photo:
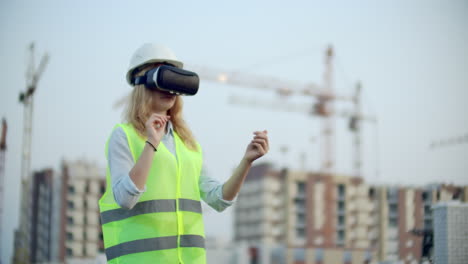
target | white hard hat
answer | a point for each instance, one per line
(151, 53)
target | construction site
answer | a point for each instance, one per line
(326, 193)
(298, 216)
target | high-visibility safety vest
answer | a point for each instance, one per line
(166, 225)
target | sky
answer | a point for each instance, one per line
(411, 57)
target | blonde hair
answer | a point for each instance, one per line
(139, 107)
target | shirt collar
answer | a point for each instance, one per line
(170, 128)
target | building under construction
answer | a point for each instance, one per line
(64, 218)
(79, 234)
(300, 217)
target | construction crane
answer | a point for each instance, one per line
(322, 107)
(26, 98)
(447, 142)
(3, 148)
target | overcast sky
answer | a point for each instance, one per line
(411, 56)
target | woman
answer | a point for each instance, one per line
(151, 211)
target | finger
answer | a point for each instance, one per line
(150, 122)
(262, 136)
(263, 142)
(265, 132)
(153, 118)
(159, 122)
(259, 140)
(159, 119)
(261, 133)
(259, 147)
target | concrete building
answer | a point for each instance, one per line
(301, 217)
(435, 193)
(259, 214)
(450, 232)
(79, 234)
(400, 212)
(298, 217)
(63, 219)
(41, 217)
(36, 247)
(330, 219)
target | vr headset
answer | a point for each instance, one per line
(170, 79)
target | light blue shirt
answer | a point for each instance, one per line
(126, 194)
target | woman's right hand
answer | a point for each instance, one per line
(156, 128)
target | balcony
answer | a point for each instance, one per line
(341, 212)
(341, 197)
(373, 234)
(352, 221)
(340, 226)
(300, 210)
(393, 201)
(299, 199)
(300, 224)
(392, 214)
(276, 202)
(277, 217)
(392, 233)
(301, 233)
(373, 207)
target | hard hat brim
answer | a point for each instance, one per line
(176, 63)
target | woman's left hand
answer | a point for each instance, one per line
(258, 147)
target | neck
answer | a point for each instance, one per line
(160, 112)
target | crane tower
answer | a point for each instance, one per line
(22, 238)
(3, 147)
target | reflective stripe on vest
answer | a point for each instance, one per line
(150, 244)
(152, 206)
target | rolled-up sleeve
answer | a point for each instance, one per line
(212, 192)
(120, 160)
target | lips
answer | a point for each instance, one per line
(167, 96)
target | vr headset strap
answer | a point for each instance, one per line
(139, 80)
